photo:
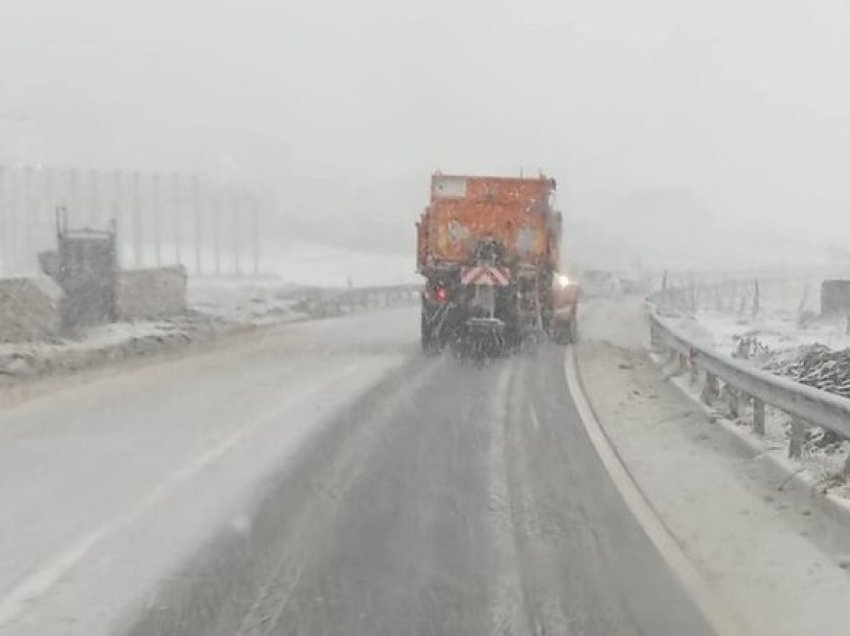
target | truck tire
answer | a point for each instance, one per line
(430, 343)
(429, 348)
(562, 333)
(565, 332)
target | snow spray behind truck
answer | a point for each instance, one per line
(489, 250)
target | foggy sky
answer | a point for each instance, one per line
(736, 112)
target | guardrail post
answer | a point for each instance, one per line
(692, 365)
(709, 391)
(798, 437)
(805, 406)
(734, 402)
(758, 416)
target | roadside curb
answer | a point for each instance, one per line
(710, 604)
(789, 477)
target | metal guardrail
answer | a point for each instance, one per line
(381, 295)
(806, 405)
(329, 302)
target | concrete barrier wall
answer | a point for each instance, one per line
(151, 294)
(30, 309)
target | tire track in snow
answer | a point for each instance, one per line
(40, 582)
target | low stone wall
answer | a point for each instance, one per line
(30, 309)
(151, 294)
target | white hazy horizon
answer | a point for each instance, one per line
(683, 133)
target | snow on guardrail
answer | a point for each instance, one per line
(806, 405)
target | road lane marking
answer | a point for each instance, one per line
(507, 599)
(713, 609)
(344, 470)
(535, 421)
(540, 577)
(42, 580)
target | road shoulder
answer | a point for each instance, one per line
(775, 561)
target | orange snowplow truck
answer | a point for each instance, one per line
(488, 248)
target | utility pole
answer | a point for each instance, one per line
(157, 234)
(116, 211)
(27, 243)
(94, 199)
(177, 202)
(196, 210)
(255, 233)
(237, 239)
(71, 204)
(49, 200)
(216, 230)
(137, 221)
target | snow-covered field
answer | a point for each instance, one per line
(243, 301)
(327, 266)
(779, 324)
(785, 336)
(294, 263)
(215, 307)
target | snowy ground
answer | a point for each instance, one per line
(298, 263)
(780, 333)
(244, 301)
(821, 465)
(99, 345)
(321, 477)
(106, 485)
(327, 266)
(217, 304)
(785, 315)
(443, 477)
(215, 307)
(773, 555)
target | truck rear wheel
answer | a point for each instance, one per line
(429, 340)
(429, 345)
(565, 331)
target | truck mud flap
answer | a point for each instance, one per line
(482, 338)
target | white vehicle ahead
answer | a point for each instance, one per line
(597, 283)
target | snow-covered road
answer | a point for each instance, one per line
(321, 478)
(105, 485)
